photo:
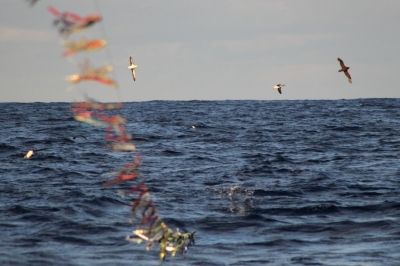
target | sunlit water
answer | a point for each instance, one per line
(261, 183)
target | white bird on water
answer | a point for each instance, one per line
(278, 87)
(29, 154)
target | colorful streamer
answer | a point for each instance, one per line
(73, 47)
(89, 73)
(68, 22)
(150, 229)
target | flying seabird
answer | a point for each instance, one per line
(344, 69)
(132, 67)
(278, 87)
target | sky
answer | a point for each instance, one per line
(206, 49)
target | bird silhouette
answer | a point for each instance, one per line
(344, 69)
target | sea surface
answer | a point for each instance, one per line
(261, 183)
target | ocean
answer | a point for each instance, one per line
(307, 182)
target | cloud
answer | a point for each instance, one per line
(11, 34)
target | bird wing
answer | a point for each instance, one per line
(279, 90)
(341, 62)
(132, 68)
(348, 75)
(133, 74)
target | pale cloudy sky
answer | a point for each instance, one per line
(207, 49)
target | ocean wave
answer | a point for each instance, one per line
(316, 184)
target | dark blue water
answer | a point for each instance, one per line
(261, 183)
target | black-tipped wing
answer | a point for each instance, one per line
(280, 90)
(130, 61)
(348, 75)
(133, 75)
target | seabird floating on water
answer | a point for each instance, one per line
(132, 67)
(29, 154)
(278, 87)
(344, 69)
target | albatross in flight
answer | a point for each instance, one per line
(278, 87)
(344, 69)
(132, 67)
